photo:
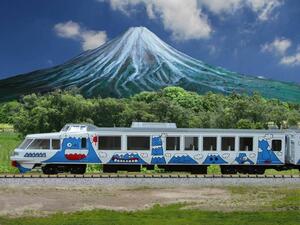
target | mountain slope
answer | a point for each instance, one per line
(139, 61)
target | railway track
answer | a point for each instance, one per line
(215, 176)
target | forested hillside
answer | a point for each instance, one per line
(50, 112)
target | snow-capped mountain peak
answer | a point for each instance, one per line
(139, 61)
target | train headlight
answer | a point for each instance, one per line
(15, 153)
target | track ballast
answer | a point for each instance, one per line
(216, 176)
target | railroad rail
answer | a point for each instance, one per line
(145, 176)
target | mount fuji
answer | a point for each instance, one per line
(139, 61)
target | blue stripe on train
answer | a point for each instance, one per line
(22, 169)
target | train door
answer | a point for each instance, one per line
(288, 149)
(293, 152)
(293, 148)
(296, 147)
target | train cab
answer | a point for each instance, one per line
(34, 149)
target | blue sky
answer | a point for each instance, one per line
(253, 37)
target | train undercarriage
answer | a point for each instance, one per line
(64, 168)
(193, 169)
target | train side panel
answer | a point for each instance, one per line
(261, 153)
(225, 148)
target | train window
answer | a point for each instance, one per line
(173, 143)
(138, 143)
(109, 143)
(209, 143)
(276, 145)
(228, 143)
(25, 143)
(40, 144)
(55, 144)
(246, 143)
(83, 142)
(191, 143)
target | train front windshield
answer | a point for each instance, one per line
(25, 143)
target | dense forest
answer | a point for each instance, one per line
(50, 112)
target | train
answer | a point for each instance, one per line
(158, 145)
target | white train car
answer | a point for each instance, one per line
(160, 144)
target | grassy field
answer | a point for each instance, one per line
(10, 140)
(245, 206)
(261, 205)
(172, 214)
(242, 205)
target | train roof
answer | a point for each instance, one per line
(161, 127)
(186, 130)
(152, 128)
(42, 135)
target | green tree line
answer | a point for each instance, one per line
(50, 112)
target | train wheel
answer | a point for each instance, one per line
(199, 170)
(78, 169)
(109, 168)
(252, 170)
(50, 169)
(228, 170)
(260, 170)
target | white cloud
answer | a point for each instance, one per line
(69, 29)
(263, 8)
(93, 39)
(292, 60)
(186, 19)
(122, 5)
(89, 39)
(278, 46)
(183, 18)
(221, 6)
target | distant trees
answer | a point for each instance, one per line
(50, 112)
(7, 110)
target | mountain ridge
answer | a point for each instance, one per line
(139, 61)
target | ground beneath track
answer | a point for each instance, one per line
(39, 201)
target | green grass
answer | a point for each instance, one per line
(6, 127)
(290, 200)
(172, 214)
(214, 169)
(284, 172)
(269, 198)
(8, 142)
